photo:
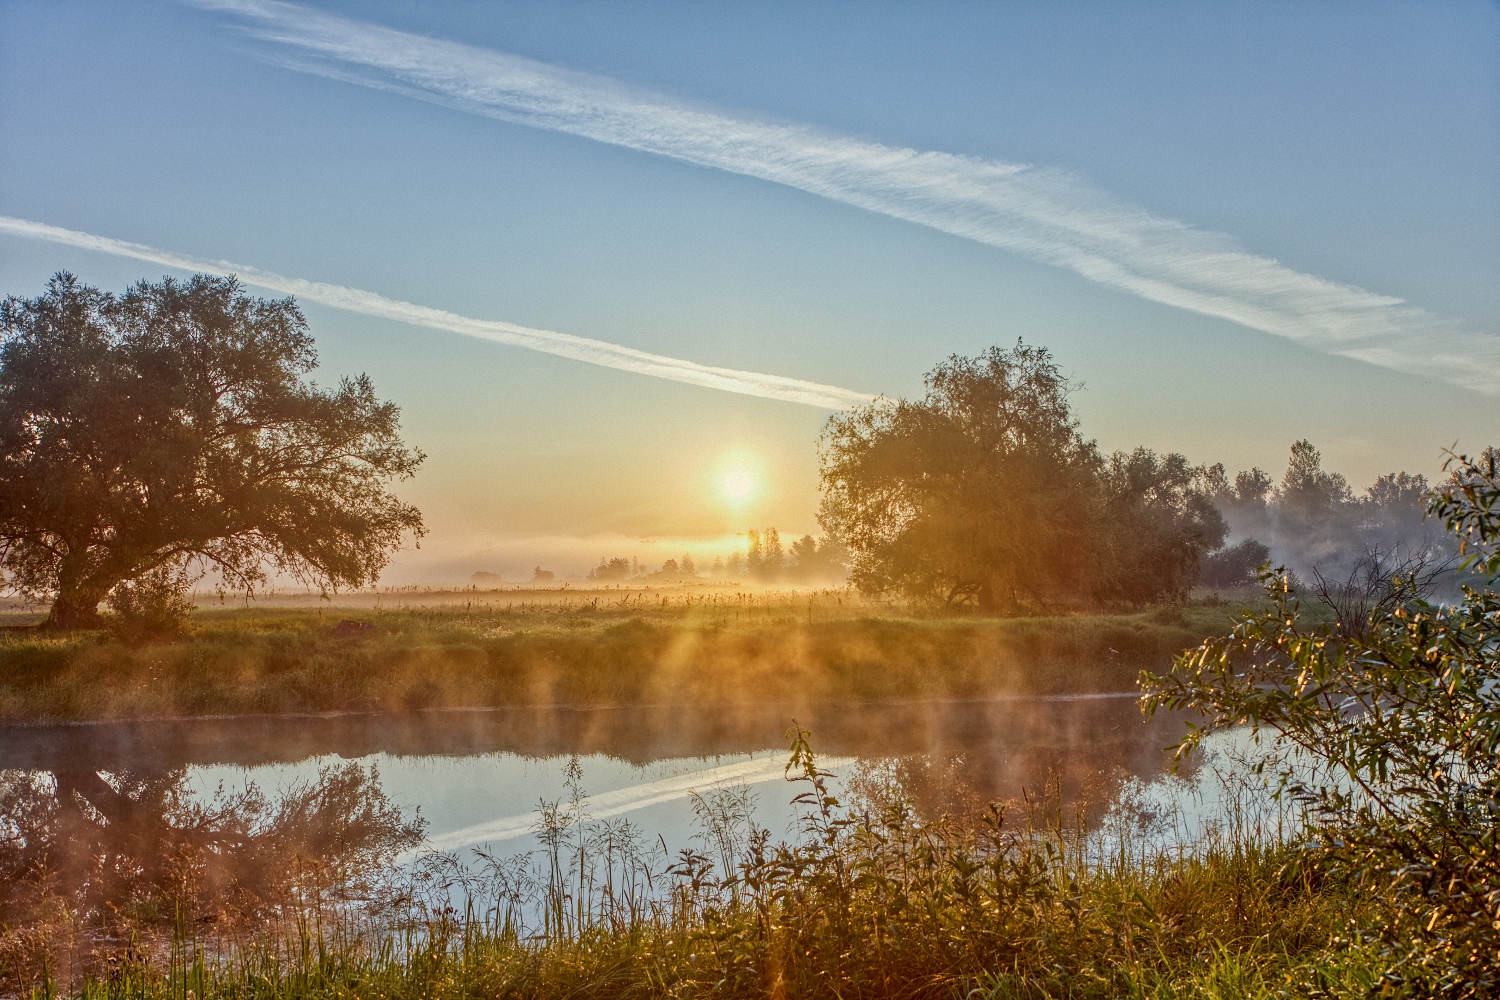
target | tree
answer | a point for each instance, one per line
(770, 565)
(1389, 702)
(1316, 525)
(1233, 565)
(175, 425)
(754, 555)
(617, 568)
(1159, 522)
(983, 491)
(812, 559)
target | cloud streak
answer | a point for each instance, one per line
(1042, 214)
(594, 352)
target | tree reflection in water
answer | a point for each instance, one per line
(98, 868)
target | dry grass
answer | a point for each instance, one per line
(692, 645)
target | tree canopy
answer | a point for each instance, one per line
(984, 492)
(1316, 524)
(176, 424)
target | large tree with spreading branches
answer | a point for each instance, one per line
(984, 492)
(176, 425)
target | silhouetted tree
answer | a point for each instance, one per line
(1234, 565)
(174, 425)
(774, 558)
(617, 568)
(1159, 521)
(982, 491)
(811, 559)
(1315, 524)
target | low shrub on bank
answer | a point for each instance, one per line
(1393, 709)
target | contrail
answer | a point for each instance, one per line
(595, 352)
(616, 803)
(1042, 214)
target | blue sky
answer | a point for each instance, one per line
(1357, 145)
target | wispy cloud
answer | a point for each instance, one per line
(595, 352)
(1043, 214)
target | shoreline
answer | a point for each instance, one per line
(265, 662)
(563, 707)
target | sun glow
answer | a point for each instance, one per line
(738, 485)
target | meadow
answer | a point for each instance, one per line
(474, 648)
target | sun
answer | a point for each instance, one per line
(738, 485)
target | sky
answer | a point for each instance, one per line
(609, 256)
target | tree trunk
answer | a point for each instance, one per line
(987, 602)
(75, 609)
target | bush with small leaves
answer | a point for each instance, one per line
(1398, 716)
(152, 607)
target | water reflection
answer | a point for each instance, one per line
(1004, 742)
(115, 832)
(100, 865)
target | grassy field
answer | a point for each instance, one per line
(484, 649)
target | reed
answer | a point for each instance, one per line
(870, 900)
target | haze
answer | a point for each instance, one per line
(1338, 161)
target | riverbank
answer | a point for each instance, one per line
(878, 899)
(582, 650)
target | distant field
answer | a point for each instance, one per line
(580, 647)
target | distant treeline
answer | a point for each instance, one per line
(1315, 525)
(765, 560)
(984, 492)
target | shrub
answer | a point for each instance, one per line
(1395, 724)
(152, 607)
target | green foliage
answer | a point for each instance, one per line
(1158, 522)
(984, 492)
(1470, 506)
(1234, 565)
(1395, 720)
(175, 424)
(153, 606)
(979, 492)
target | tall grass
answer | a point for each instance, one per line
(869, 900)
(609, 648)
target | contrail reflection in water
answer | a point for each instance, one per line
(606, 804)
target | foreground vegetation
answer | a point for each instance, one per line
(608, 647)
(1381, 878)
(871, 901)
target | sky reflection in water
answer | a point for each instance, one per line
(478, 776)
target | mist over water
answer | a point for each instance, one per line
(476, 776)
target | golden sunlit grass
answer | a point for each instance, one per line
(563, 647)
